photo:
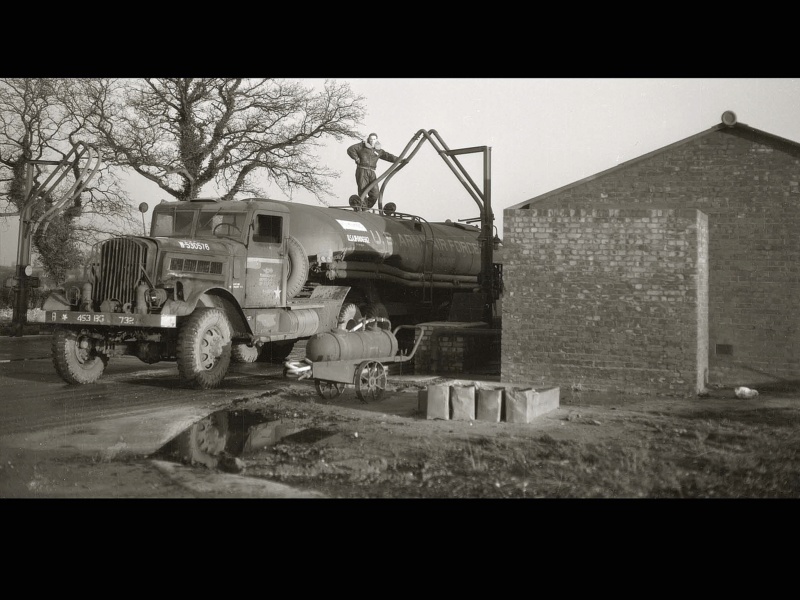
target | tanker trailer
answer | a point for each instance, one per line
(398, 266)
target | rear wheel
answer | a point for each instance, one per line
(349, 317)
(377, 310)
(328, 389)
(276, 352)
(204, 348)
(75, 358)
(242, 353)
(370, 381)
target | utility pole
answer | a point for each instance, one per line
(28, 226)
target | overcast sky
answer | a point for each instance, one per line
(543, 134)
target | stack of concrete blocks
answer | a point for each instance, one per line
(486, 401)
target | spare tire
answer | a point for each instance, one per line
(298, 267)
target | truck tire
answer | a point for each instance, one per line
(377, 310)
(204, 348)
(75, 364)
(204, 442)
(298, 267)
(242, 353)
(276, 352)
(349, 317)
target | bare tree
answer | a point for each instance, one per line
(29, 126)
(184, 134)
(37, 124)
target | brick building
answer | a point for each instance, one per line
(669, 272)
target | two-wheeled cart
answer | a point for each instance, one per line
(339, 358)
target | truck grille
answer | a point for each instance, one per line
(121, 264)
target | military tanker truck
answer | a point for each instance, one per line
(241, 280)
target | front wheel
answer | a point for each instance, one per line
(74, 357)
(204, 348)
(205, 441)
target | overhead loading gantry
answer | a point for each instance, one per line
(483, 198)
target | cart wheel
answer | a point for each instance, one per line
(370, 381)
(328, 389)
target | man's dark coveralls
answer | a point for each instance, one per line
(367, 158)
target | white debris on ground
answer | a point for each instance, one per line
(745, 392)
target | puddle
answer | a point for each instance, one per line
(234, 433)
(308, 436)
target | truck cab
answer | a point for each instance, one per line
(215, 280)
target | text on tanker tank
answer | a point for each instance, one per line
(357, 238)
(443, 244)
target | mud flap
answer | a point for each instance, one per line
(331, 298)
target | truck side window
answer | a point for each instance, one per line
(162, 224)
(269, 229)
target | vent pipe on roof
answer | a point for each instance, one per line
(729, 118)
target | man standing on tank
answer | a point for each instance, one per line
(366, 155)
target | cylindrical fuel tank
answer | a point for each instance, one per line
(409, 244)
(345, 345)
(303, 322)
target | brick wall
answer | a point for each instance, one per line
(749, 186)
(606, 299)
(456, 348)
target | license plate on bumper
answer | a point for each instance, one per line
(69, 317)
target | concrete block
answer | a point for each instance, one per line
(489, 404)
(462, 402)
(438, 402)
(522, 405)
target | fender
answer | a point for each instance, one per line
(182, 308)
(209, 298)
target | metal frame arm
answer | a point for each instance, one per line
(481, 197)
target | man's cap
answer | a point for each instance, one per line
(371, 134)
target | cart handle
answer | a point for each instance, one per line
(364, 322)
(418, 339)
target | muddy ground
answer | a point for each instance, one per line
(290, 443)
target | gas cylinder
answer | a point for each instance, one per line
(351, 345)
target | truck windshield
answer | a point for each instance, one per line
(180, 223)
(173, 223)
(218, 224)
